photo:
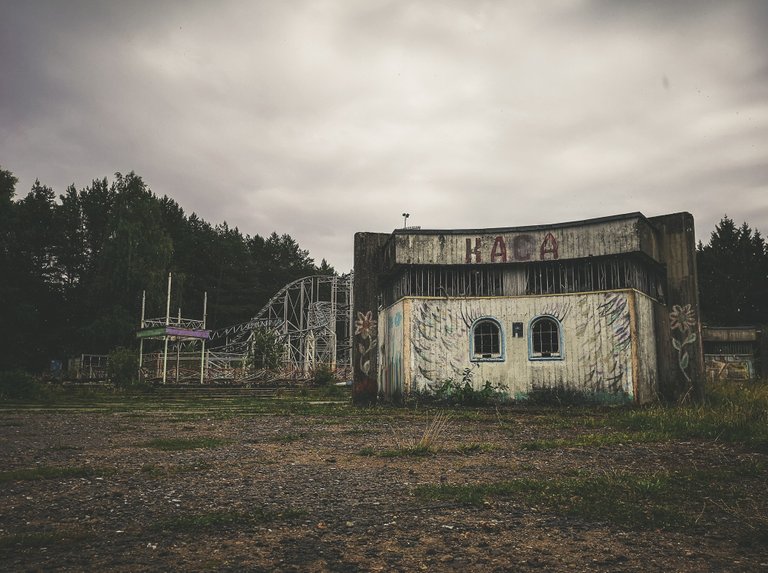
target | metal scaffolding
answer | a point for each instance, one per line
(183, 333)
(311, 318)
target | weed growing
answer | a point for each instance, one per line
(474, 448)
(732, 413)
(646, 501)
(595, 440)
(461, 393)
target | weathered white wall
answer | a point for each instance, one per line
(488, 247)
(430, 342)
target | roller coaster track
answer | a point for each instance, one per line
(311, 318)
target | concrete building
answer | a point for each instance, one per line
(607, 307)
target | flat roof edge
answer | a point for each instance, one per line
(492, 230)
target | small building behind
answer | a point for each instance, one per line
(605, 306)
(733, 353)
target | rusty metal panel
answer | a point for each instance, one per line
(725, 334)
(596, 343)
(590, 239)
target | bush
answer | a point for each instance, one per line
(323, 376)
(17, 384)
(462, 392)
(122, 367)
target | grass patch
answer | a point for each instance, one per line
(621, 498)
(51, 472)
(732, 413)
(290, 437)
(178, 444)
(418, 451)
(474, 448)
(222, 519)
(424, 445)
(663, 499)
(595, 440)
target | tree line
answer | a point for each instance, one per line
(73, 267)
(733, 276)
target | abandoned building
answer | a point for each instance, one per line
(605, 306)
(734, 353)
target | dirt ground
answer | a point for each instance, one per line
(281, 491)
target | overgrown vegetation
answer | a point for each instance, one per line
(265, 350)
(424, 445)
(461, 392)
(122, 367)
(652, 500)
(73, 267)
(323, 376)
(18, 385)
(732, 412)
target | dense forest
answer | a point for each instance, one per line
(73, 267)
(733, 276)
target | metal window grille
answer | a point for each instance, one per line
(487, 339)
(546, 337)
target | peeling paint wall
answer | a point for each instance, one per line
(556, 243)
(599, 353)
(391, 351)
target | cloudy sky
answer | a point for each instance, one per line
(322, 118)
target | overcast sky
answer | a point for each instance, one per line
(322, 118)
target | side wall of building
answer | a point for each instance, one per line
(607, 344)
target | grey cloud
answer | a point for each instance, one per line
(320, 119)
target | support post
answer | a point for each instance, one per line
(202, 352)
(167, 322)
(141, 340)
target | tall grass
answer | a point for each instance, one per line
(732, 412)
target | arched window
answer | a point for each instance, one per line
(545, 342)
(487, 342)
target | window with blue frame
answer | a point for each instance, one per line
(546, 339)
(487, 341)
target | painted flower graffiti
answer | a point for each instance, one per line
(365, 328)
(683, 318)
(364, 324)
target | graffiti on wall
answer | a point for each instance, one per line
(606, 355)
(436, 335)
(517, 248)
(721, 368)
(683, 319)
(365, 331)
(392, 354)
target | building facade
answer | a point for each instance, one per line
(606, 307)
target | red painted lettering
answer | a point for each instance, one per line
(473, 252)
(499, 251)
(548, 246)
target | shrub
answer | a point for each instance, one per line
(122, 366)
(462, 392)
(323, 376)
(17, 384)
